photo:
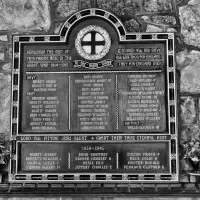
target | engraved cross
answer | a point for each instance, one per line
(93, 43)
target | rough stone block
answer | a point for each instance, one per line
(157, 5)
(163, 19)
(67, 7)
(132, 26)
(7, 67)
(24, 15)
(5, 93)
(57, 27)
(152, 28)
(120, 8)
(190, 78)
(188, 110)
(184, 178)
(188, 64)
(84, 4)
(2, 56)
(3, 52)
(3, 38)
(189, 19)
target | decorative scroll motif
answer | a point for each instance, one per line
(106, 15)
(15, 103)
(138, 37)
(171, 86)
(174, 137)
(92, 11)
(108, 177)
(174, 177)
(83, 64)
(76, 177)
(170, 36)
(15, 87)
(44, 177)
(93, 30)
(16, 39)
(171, 69)
(13, 137)
(154, 37)
(16, 71)
(123, 37)
(141, 177)
(32, 39)
(28, 177)
(157, 177)
(92, 177)
(14, 120)
(47, 38)
(172, 103)
(12, 177)
(62, 38)
(124, 177)
(173, 156)
(172, 119)
(78, 15)
(60, 177)
(16, 55)
(13, 157)
(67, 25)
(118, 24)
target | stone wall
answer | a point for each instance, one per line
(47, 16)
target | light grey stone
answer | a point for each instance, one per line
(5, 93)
(188, 110)
(190, 78)
(152, 28)
(171, 30)
(190, 27)
(132, 26)
(7, 67)
(119, 7)
(189, 65)
(157, 5)
(58, 27)
(67, 7)
(24, 15)
(3, 38)
(193, 2)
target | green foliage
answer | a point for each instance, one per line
(4, 154)
(190, 143)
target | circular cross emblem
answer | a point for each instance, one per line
(93, 42)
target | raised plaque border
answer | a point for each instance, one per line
(168, 38)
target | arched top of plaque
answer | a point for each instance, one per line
(93, 13)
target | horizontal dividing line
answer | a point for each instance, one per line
(95, 72)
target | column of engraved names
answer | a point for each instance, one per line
(145, 156)
(93, 157)
(45, 103)
(42, 161)
(93, 102)
(143, 161)
(39, 157)
(142, 105)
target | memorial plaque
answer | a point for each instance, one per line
(94, 103)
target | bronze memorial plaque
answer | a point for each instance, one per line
(94, 103)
